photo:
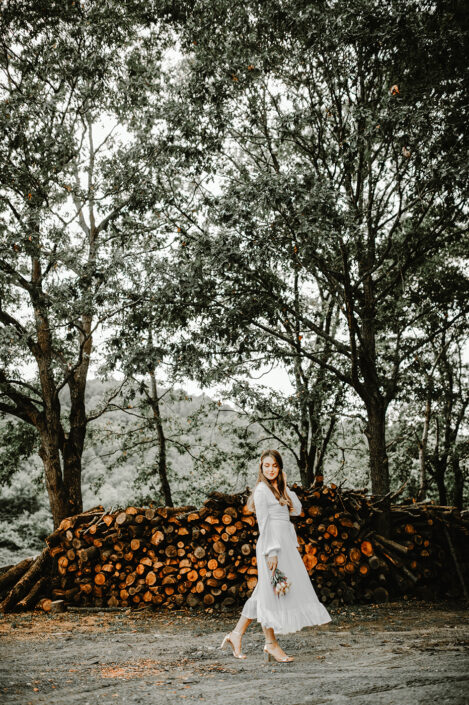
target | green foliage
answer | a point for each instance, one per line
(200, 190)
(18, 441)
(24, 514)
(341, 175)
(70, 125)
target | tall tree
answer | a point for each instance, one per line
(343, 141)
(76, 81)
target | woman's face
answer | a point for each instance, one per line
(270, 468)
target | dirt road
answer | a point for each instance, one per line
(400, 653)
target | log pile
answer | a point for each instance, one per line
(21, 585)
(170, 557)
(350, 561)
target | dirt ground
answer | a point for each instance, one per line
(399, 653)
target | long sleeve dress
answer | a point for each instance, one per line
(300, 606)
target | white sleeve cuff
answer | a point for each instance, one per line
(272, 551)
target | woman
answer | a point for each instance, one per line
(277, 544)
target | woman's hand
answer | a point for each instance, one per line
(272, 562)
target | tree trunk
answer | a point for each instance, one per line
(305, 430)
(458, 491)
(440, 471)
(376, 435)
(74, 443)
(303, 462)
(72, 482)
(423, 482)
(162, 469)
(63, 488)
(314, 410)
(362, 336)
(321, 454)
(306, 462)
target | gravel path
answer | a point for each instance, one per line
(402, 653)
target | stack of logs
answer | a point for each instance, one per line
(171, 557)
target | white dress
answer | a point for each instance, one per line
(300, 606)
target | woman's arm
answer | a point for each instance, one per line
(271, 546)
(297, 506)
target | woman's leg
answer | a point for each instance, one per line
(237, 634)
(273, 645)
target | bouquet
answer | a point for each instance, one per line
(280, 582)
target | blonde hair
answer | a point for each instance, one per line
(280, 493)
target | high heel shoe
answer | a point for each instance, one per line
(268, 655)
(228, 640)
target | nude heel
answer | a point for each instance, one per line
(227, 640)
(268, 656)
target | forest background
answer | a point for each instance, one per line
(224, 228)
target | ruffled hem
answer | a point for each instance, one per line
(290, 621)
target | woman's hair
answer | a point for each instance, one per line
(280, 493)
